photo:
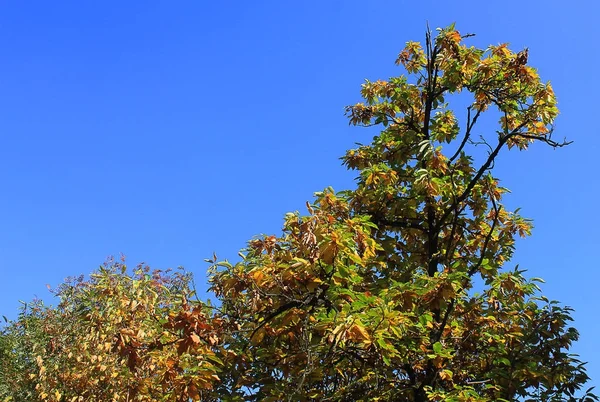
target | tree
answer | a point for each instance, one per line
(371, 296)
(115, 337)
(398, 290)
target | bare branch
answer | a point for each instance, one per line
(546, 139)
(478, 382)
(470, 124)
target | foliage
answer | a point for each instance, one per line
(115, 337)
(370, 297)
(398, 290)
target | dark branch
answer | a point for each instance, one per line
(482, 170)
(400, 224)
(445, 319)
(487, 238)
(546, 139)
(470, 124)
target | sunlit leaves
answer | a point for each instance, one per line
(119, 337)
(412, 57)
(399, 289)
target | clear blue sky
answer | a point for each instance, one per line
(169, 130)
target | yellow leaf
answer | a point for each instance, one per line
(446, 375)
(257, 275)
(314, 284)
(258, 336)
(359, 333)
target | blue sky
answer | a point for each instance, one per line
(169, 130)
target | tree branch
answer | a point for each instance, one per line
(470, 124)
(546, 139)
(482, 170)
(487, 238)
(400, 224)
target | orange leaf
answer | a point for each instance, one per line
(195, 338)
